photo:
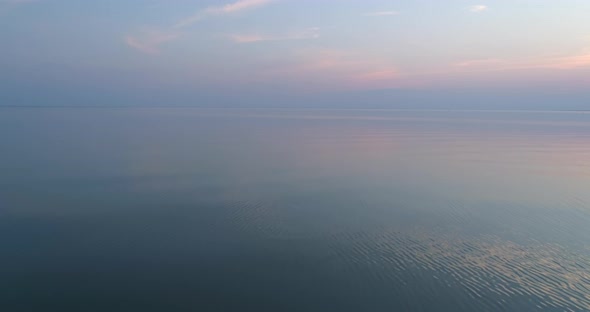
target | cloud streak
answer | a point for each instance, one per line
(559, 63)
(334, 69)
(231, 8)
(382, 13)
(310, 33)
(237, 6)
(149, 42)
(478, 8)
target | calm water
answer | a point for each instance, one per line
(293, 210)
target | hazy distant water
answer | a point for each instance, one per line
(293, 210)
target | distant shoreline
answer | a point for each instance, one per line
(546, 111)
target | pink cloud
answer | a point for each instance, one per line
(479, 63)
(235, 7)
(564, 63)
(380, 75)
(149, 42)
(249, 38)
(310, 33)
(571, 62)
(335, 69)
(325, 69)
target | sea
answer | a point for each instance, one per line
(190, 209)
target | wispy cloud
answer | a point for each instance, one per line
(560, 63)
(478, 8)
(572, 62)
(382, 13)
(149, 42)
(479, 63)
(334, 69)
(235, 7)
(377, 76)
(310, 33)
(324, 68)
(250, 38)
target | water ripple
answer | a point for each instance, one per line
(485, 268)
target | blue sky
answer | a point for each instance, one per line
(250, 52)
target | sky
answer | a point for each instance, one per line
(493, 54)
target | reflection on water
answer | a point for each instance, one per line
(351, 210)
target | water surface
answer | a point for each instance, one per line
(179, 209)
